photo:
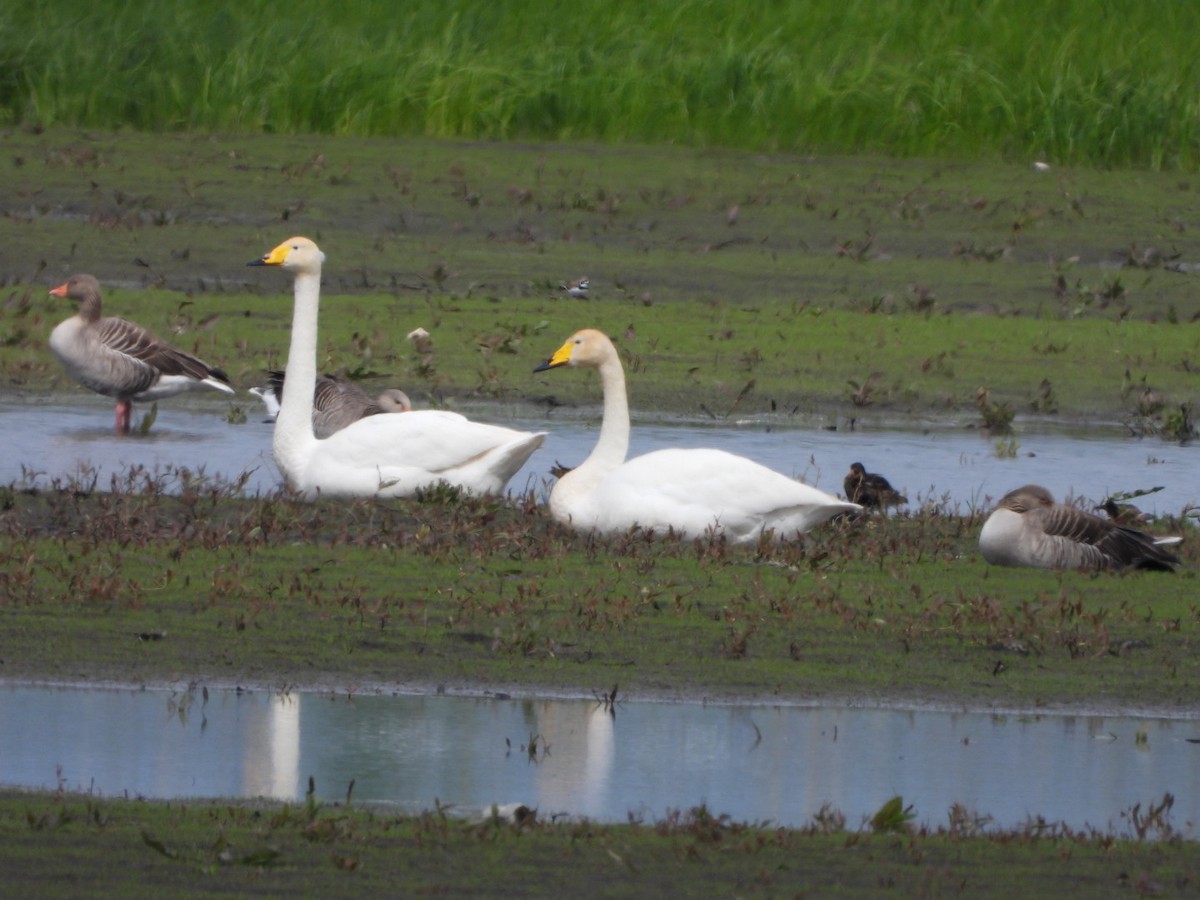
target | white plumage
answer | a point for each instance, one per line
(688, 491)
(383, 455)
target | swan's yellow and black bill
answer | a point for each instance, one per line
(275, 257)
(561, 357)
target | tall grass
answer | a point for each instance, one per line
(1019, 78)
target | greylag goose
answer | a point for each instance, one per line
(687, 491)
(119, 359)
(336, 402)
(870, 490)
(1027, 528)
(385, 456)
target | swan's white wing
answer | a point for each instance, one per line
(429, 439)
(692, 490)
(404, 452)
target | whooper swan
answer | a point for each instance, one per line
(387, 456)
(688, 491)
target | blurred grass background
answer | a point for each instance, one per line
(1017, 79)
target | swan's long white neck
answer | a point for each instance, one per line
(294, 438)
(613, 445)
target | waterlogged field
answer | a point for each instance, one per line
(734, 283)
(786, 252)
(818, 290)
(468, 595)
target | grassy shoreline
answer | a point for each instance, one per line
(455, 594)
(451, 244)
(136, 848)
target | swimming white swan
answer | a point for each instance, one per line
(1027, 528)
(387, 456)
(686, 490)
(118, 358)
(336, 403)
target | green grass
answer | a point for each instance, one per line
(985, 79)
(799, 273)
(453, 594)
(63, 845)
(929, 280)
(714, 362)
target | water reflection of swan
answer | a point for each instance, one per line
(574, 777)
(273, 770)
(598, 761)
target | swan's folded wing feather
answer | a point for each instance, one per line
(696, 489)
(433, 440)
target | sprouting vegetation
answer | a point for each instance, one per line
(753, 266)
(344, 849)
(763, 317)
(445, 589)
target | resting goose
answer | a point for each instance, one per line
(119, 359)
(1027, 528)
(870, 490)
(386, 456)
(336, 403)
(688, 491)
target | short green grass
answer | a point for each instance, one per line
(453, 593)
(766, 280)
(845, 287)
(62, 845)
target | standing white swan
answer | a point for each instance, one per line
(688, 491)
(386, 456)
(121, 359)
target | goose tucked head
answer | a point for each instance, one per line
(584, 348)
(394, 400)
(298, 254)
(1025, 498)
